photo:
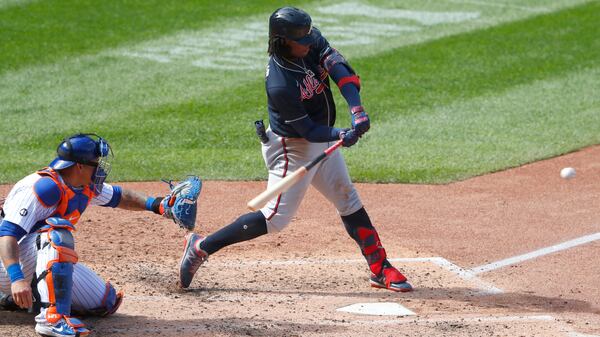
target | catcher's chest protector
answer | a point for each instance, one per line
(71, 203)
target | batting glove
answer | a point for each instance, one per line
(360, 120)
(349, 137)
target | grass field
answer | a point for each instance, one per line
(454, 88)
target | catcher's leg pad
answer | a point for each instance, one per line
(56, 257)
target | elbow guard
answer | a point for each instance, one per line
(330, 58)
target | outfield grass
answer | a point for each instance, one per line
(482, 99)
(47, 31)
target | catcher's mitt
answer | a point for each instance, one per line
(181, 204)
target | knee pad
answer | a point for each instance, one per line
(58, 248)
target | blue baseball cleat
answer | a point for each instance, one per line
(62, 328)
(193, 257)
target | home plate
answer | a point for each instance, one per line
(385, 308)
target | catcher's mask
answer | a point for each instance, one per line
(87, 149)
(293, 24)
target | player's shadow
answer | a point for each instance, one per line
(16, 318)
(514, 301)
(129, 325)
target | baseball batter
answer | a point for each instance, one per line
(36, 241)
(301, 118)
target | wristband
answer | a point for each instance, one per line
(15, 273)
(357, 109)
(153, 204)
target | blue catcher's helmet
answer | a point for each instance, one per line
(294, 24)
(88, 149)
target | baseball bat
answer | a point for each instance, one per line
(288, 181)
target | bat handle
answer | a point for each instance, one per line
(333, 147)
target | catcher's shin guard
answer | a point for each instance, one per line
(56, 257)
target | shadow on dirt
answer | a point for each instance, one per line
(521, 302)
(21, 324)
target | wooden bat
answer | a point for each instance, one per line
(288, 181)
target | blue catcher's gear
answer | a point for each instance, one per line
(181, 204)
(58, 245)
(87, 149)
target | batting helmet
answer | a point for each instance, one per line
(293, 24)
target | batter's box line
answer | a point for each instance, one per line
(484, 288)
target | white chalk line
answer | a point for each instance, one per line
(484, 288)
(535, 254)
(461, 319)
(574, 333)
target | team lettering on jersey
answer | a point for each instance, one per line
(310, 85)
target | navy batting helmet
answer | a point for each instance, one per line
(292, 23)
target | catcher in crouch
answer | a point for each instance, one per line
(39, 214)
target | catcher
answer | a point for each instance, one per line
(39, 215)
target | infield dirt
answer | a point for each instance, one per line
(291, 283)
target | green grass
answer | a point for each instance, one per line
(430, 78)
(441, 110)
(47, 31)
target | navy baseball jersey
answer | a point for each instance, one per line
(298, 89)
